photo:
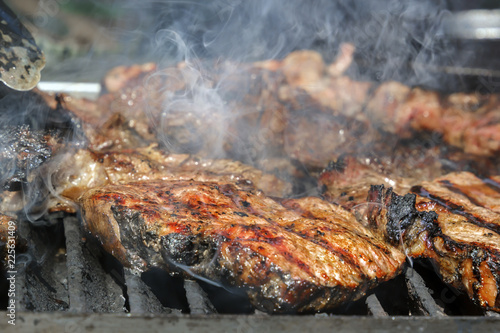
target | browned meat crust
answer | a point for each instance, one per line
(300, 255)
(85, 169)
(455, 221)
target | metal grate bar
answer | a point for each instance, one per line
(74, 263)
(374, 306)
(98, 322)
(197, 298)
(492, 314)
(260, 313)
(141, 299)
(420, 294)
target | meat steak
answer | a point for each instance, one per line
(453, 220)
(289, 255)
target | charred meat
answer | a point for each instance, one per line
(297, 255)
(453, 220)
(22, 151)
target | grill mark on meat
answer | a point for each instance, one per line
(454, 208)
(467, 253)
(262, 235)
(477, 190)
(273, 252)
(491, 184)
(456, 189)
(337, 250)
(340, 251)
(207, 208)
(255, 233)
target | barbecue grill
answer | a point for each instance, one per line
(65, 282)
(74, 287)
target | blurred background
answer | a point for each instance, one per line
(426, 43)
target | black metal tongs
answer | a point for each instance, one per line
(20, 58)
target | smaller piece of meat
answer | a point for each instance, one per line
(303, 68)
(347, 180)
(122, 76)
(453, 220)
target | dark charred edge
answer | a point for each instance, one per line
(478, 257)
(307, 297)
(400, 213)
(338, 166)
(494, 266)
(188, 250)
(135, 237)
(455, 209)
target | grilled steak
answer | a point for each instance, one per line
(473, 127)
(453, 220)
(347, 180)
(297, 255)
(252, 112)
(85, 169)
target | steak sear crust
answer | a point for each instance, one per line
(297, 255)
